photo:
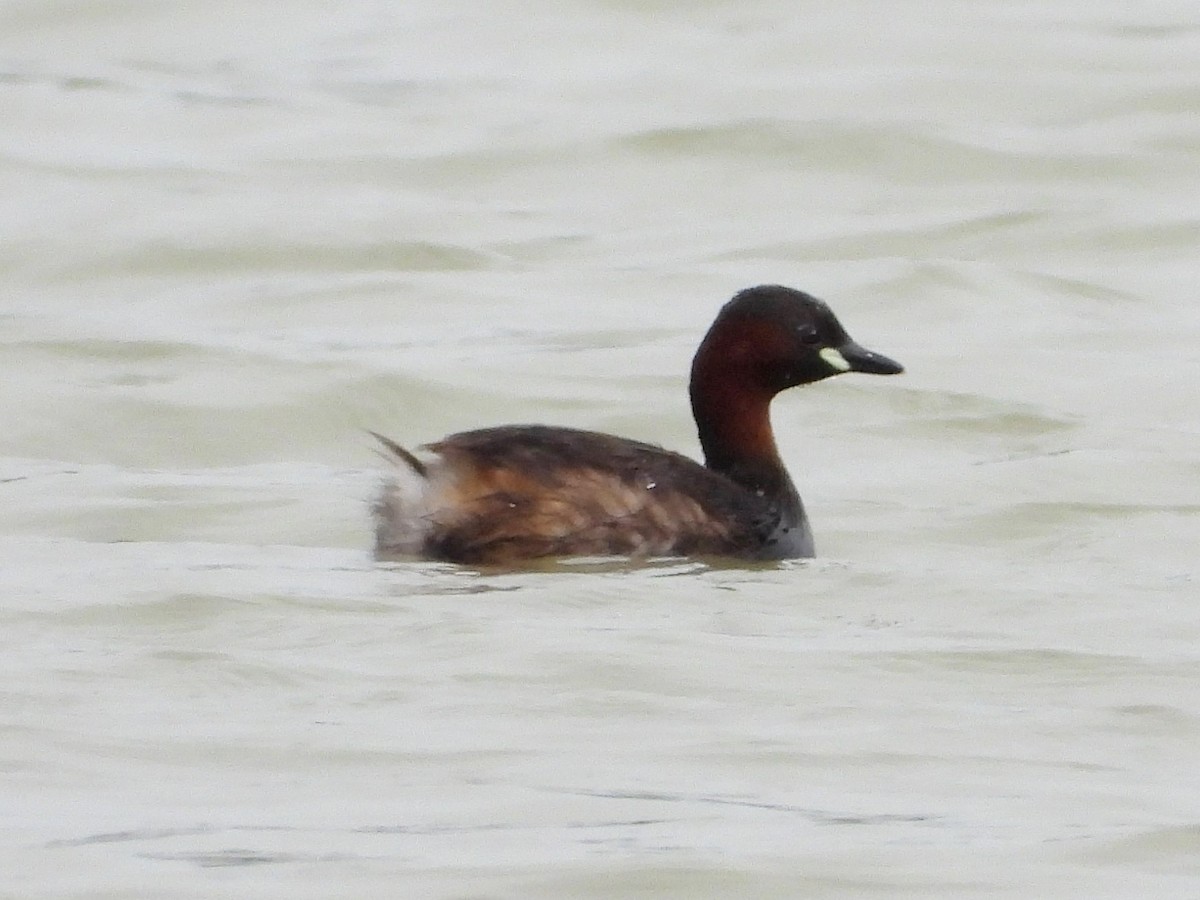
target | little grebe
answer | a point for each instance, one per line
(500, 495)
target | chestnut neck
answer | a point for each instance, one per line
(734, 423)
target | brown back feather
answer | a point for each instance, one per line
(529, 491)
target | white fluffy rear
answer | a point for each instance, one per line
(403, 510)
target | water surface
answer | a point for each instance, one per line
(237, 237)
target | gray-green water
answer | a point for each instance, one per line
(234, 237)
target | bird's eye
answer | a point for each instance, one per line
(809, 335)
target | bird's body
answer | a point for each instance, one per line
(520, 492)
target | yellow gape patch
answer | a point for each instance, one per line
(835, 359)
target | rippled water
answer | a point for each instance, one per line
(236, 237)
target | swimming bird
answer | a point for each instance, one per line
(522, 492)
